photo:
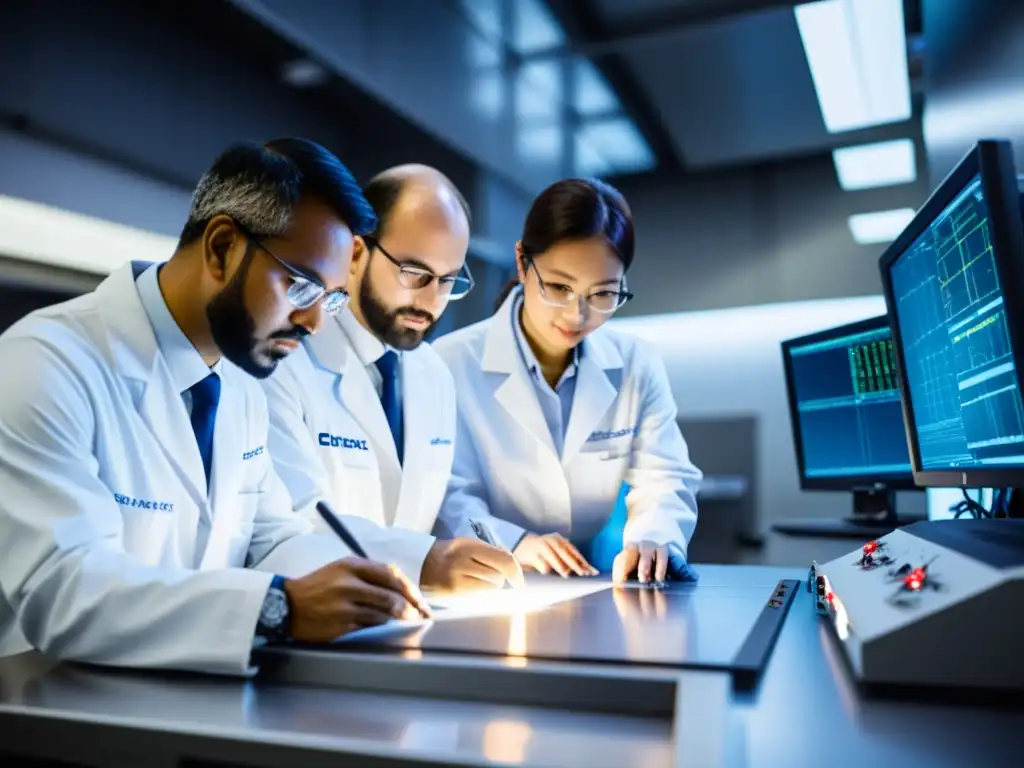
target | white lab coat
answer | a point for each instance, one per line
(330, 439)
(103, 502)
(622, 428)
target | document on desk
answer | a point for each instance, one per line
(540, 592)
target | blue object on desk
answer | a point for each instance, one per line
(601, 550)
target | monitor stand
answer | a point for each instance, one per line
(874, 515)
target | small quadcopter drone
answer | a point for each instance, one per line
(873, 556)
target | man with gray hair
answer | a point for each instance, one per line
(142, 520)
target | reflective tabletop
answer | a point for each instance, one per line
(689, 625)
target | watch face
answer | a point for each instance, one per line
(275, 608)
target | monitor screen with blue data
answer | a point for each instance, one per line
(845, 408)
(959, 360)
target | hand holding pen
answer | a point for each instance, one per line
(349, 594)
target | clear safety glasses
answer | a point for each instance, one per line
(559, 295)
(305, 289)
(410, 276)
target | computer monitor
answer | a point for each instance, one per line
(954, 286)
(844, 407)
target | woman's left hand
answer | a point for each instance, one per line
(644, 559)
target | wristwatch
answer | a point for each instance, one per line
(274, 623)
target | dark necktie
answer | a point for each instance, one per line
(205, 397)
(391, 397)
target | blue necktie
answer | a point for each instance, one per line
(205, 397)
(391, 397)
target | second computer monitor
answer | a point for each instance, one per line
(847, 423)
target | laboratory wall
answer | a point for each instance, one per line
(772, 233)
(112, 110)
(974, 86)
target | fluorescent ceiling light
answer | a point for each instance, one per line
(880, 226)
(876, 165)
(857, 54)
(48, 235)
(612, 145)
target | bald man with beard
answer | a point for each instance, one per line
(363, 414)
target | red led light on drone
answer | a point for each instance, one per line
(915, 579)
(870, 547)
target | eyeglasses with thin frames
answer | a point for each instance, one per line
(305, 289)
(559, 295)
(453, 287)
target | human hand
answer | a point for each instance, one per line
(552, 552)
(349, 594)
(465, 564)
(641, 559)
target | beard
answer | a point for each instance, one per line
(234, 330)
(384, 322)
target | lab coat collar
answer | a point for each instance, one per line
(595, 390)
(186, 365)
(529, 358)
(131, 342)
(332, 349)
(329, 348)
(367, 347)
(342, 338)
(134, 355)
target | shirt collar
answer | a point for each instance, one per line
(369, 349)
(530, 359)
(184, 362)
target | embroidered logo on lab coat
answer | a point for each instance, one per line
(327, 440)
(595, 436)
(131, 501)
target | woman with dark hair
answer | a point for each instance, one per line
(557, 414)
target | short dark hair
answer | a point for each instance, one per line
(575, 209)
(258, 185)
(384, 190)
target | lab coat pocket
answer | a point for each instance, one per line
(601, 471)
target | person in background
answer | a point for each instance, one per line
(363, 414)
(142, 522)
(557, 413)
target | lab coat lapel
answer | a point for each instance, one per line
(418, 415)
(227, 470)
(133, 353)
(515, 392)
(595, 392)
(331, 350)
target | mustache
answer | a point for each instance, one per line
(297, 333)
(413, 312)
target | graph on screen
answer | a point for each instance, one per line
(956, 345)
(848, 403)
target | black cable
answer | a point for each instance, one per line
(999, 503)
(970, 506)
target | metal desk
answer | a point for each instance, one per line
(805, 712)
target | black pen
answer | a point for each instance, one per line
(339, 528)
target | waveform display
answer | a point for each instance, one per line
(956, 346)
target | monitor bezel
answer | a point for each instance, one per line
(897, 482)
(993, 161)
